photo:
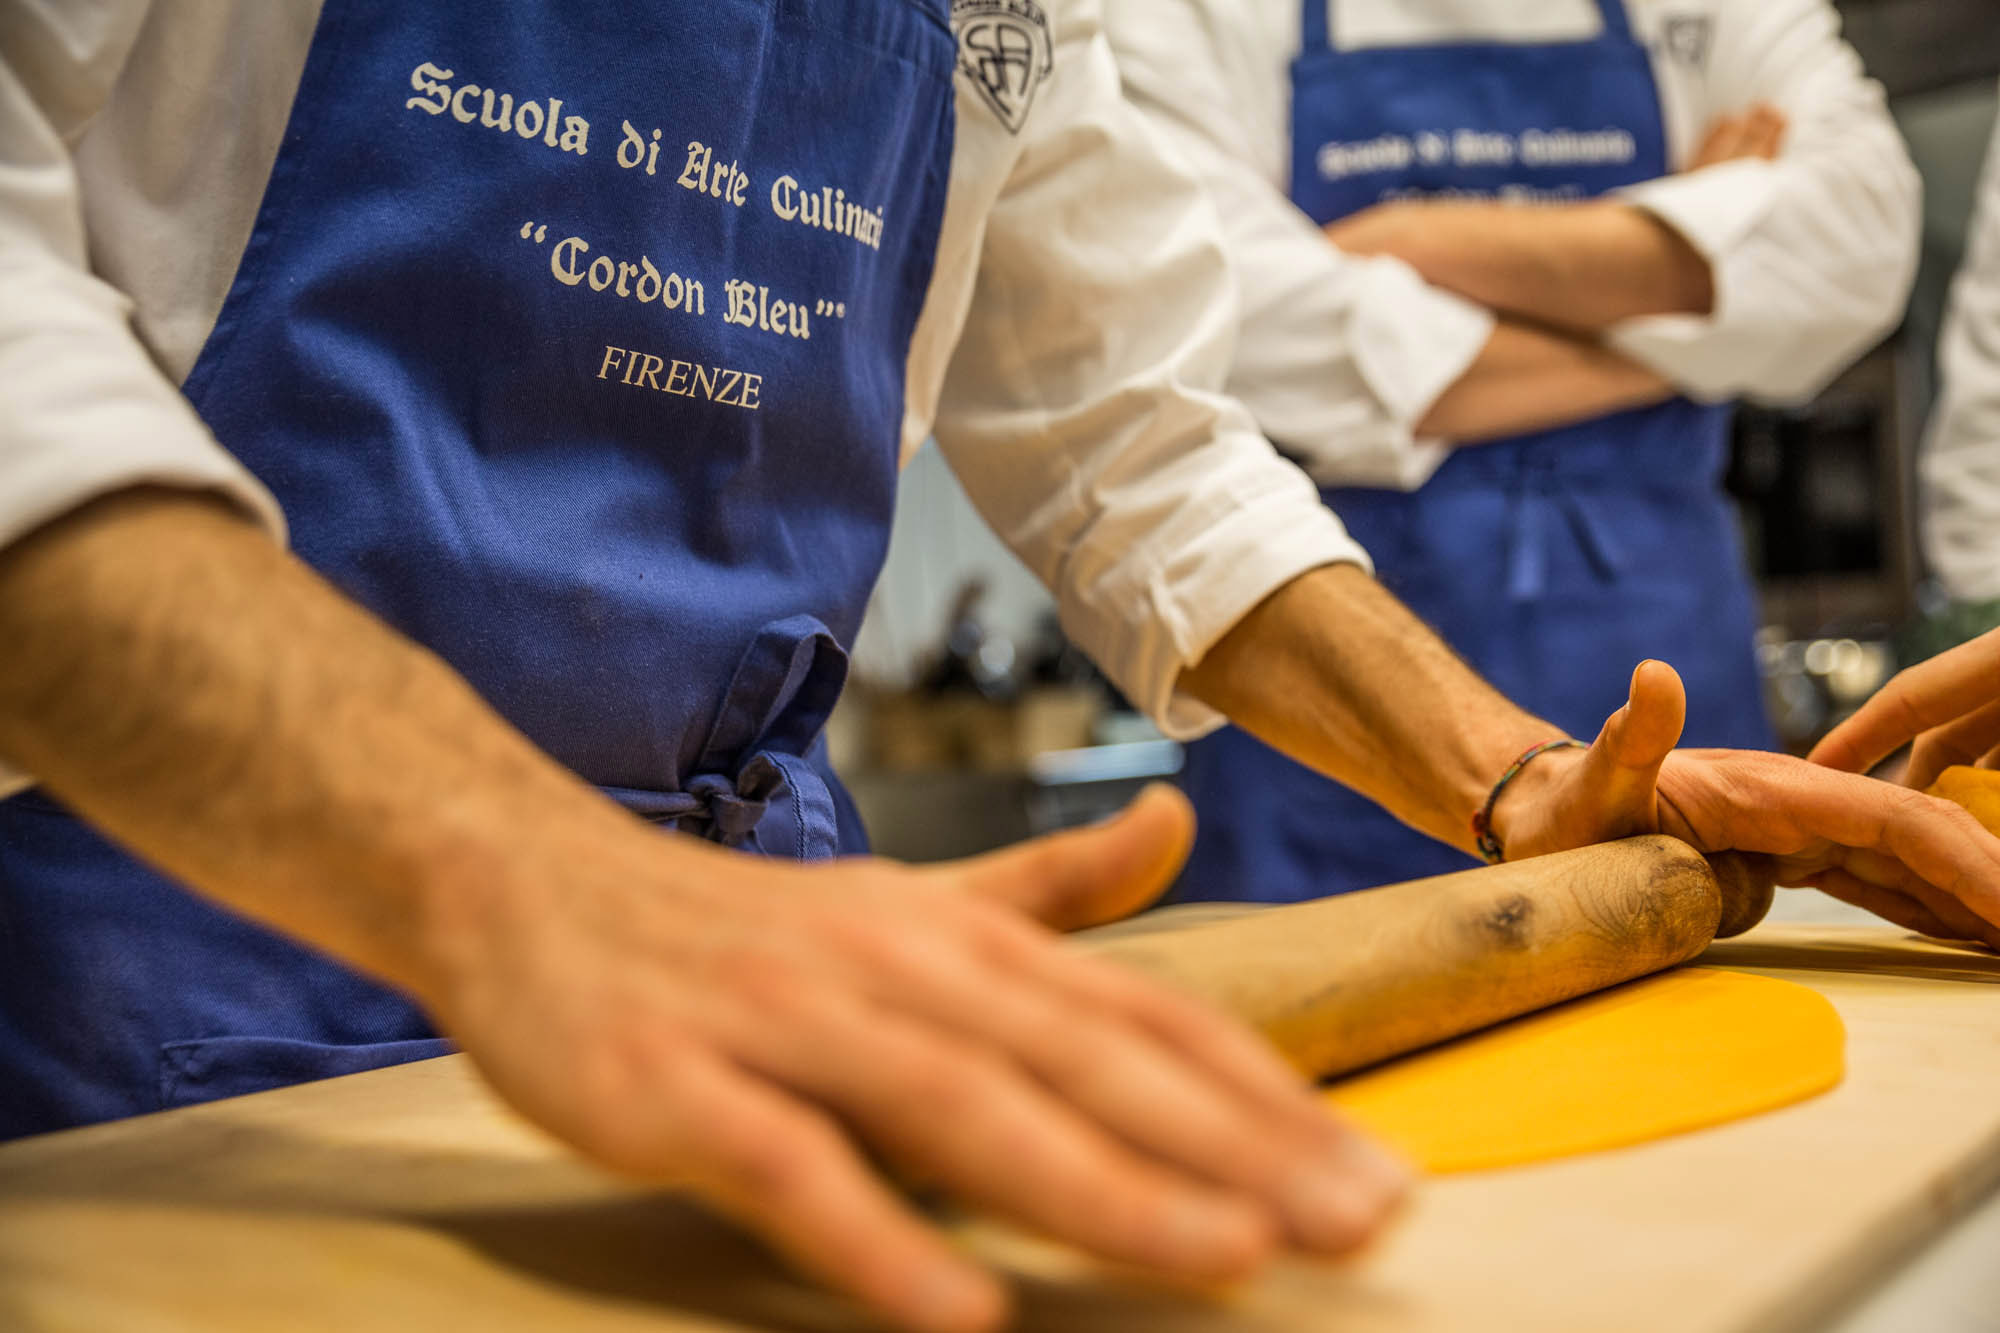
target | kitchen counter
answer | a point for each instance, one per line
(407, 1198)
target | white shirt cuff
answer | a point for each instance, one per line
(1716, 210)
(44, 489)
(1407, 342)
(87, 416)
(1412, 340)
(1214, 563)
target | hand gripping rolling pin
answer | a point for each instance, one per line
(1347, 981)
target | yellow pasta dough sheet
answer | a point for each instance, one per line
(1977, 789)
(1675, 1052)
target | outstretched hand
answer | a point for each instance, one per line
(1915, 860)
(756, 1032)
(1946, 709)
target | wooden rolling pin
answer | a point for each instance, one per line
(1344, 982)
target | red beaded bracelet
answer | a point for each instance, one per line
(1483, 835)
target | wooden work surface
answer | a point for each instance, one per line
(405, 1199)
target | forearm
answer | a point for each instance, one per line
(1335, 672)
(203, 697)
(1581, 267)
(1532, 378)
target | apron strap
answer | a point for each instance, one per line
(1617, 24)
(1315, 27)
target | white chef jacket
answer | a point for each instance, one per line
(1960, 463)
(1069, 354)
(1341, 356)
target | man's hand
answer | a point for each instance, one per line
(686, 1015)
(1949, 707)
(1915, 860)
(751, 1030)
(1758, 132)
(1377, 702)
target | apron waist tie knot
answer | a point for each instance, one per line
(769, 720)
(778, 804)
(712, 805)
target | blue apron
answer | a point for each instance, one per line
(574, 349)
(1553, 562)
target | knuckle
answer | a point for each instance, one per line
(1086, 1049)
(880, 946)
(769, 1169)
(765, 981)
(646, 1136)
(1018, 951)
(852, 932)
(1123, 1203)
(1909, 802)
(1769, 767)
(1964, 819)
(995, 924)
(605, 1073)
(1178, 1015)
(960, 1082)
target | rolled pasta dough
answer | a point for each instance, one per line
(1667, 1054)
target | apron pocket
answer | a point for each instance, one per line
(192, 1072)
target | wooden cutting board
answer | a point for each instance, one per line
(406, 1199)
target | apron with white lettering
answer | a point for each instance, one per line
(573, 346)
(1553, 562)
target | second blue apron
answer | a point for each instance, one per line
(573, 347)
(1552, 562)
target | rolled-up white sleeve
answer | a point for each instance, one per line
(1083, 409)
(1961, 455)
(1813, 253)
(83, 408)
(1339, 356)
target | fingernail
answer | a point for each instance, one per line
(1389, 1174)
(1324, 1209)
(1336, 1207)
(952, 1300)
(1215, 1239)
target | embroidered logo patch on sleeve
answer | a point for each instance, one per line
(1004, 48)
(1686, 37)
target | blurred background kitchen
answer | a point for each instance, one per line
(972, 722)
